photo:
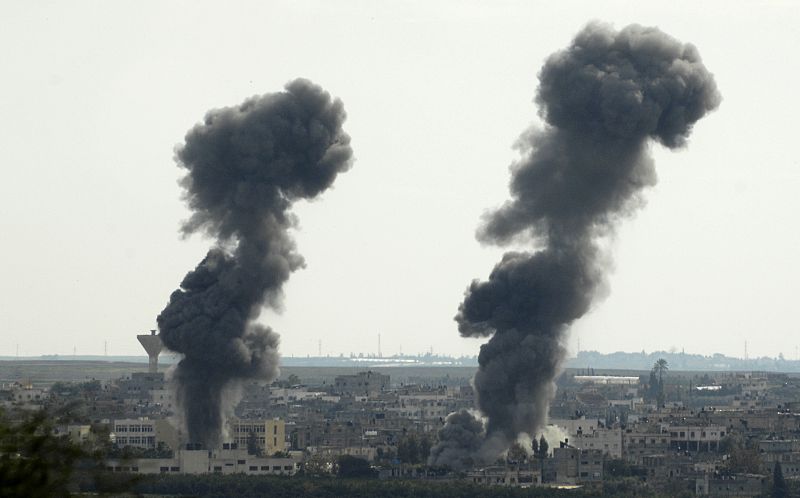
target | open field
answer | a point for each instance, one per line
(44, 372)
(40, 372)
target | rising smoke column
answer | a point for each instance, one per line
(245, 166)
(602, 99)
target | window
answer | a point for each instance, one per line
(276, 467)
(265, 467)
(241, 462)
(174, 469)
(254, 467)
(287, 467)
(218, 468)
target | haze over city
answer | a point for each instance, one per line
(98, 96)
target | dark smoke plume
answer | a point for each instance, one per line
(602, 99)
(245, 166)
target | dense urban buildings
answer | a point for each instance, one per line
(701, 433)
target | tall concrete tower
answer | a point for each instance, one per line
(152, 344)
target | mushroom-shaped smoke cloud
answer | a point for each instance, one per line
(603, 99)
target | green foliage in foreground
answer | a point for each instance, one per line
(34, 462)
(242, 486)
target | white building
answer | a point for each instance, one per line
(222, 461)
(607, 440)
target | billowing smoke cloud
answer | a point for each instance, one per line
(602, 99)
(245, 165)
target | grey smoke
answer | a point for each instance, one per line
(459, 440)
(602, 99)
(245, 167)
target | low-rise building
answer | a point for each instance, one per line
(522, 476)
(740, 485)
(362, 383)
(577, 466)
(222, 461)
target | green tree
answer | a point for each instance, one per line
(517, 454)
(354, 467)
(652, 386)
(779, 487)
(33, 461)
(544, 448)
(744, 460)
(660, 368)
(253, 448)
(424, 448)
(542, 454)
(408, 450)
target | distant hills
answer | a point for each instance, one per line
(585, 360)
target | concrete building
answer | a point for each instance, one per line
(77, 433)
(223, 461)
(609, 441)
(144, 433)
(616, 380)
(740, 485)
(506, 476)
(269, 434)
(362, 383)
(785, 451)
(643, 441)
(695, 438)
(140, 385)
(576, 466)
(578, 425)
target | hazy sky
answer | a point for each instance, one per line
(95, 96)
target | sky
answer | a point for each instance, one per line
(97, 95)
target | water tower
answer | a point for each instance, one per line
(153, 345)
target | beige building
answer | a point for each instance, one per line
(144, 433)
(270, 434)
